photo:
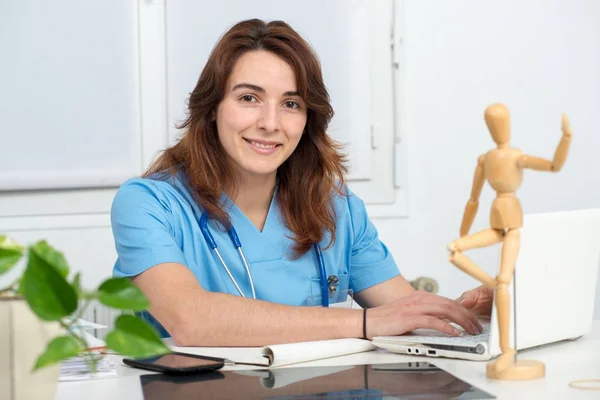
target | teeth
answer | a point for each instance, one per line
(261, 145)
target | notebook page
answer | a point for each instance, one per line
(282, 354)
(293, 353)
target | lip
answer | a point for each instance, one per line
(260, 150)
(265, 142)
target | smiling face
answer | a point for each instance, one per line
(261, 117)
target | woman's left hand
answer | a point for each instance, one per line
(478, 300)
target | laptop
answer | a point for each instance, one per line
(555, 285)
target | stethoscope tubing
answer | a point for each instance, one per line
(322, 275)
(238, 245)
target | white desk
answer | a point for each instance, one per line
(565, 362)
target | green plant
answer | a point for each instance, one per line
(51, 296)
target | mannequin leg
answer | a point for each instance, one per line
(505, 367)
(484, 238)
(510, 251)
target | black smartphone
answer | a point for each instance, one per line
(177, 363)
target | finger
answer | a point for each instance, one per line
(471, 306)
(468, 302)
(477, 299)
(482, 309)
(452, 311)
(429, 322)
(457, 318)
(484, 303)
(445, 313)
(452, 307)
(443, 307)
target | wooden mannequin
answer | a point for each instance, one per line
(503, 168)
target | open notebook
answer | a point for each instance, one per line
(284, 354)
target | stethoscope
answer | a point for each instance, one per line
(328, 284)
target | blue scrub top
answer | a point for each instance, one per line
(156, 221)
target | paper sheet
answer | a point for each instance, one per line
(77, 369)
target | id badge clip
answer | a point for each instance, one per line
(337, 299)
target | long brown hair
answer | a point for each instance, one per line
(308, 179)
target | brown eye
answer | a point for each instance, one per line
(247, 98)
(292, 104)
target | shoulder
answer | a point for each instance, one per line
(157, 190)
(141, 189)
(500, 154)
(348, 205)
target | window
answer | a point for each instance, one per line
(126, 88)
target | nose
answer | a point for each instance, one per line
(269, 118)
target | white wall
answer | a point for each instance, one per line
(539, 58)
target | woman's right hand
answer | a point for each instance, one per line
(420, 310)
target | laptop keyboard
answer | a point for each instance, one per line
(433, 336)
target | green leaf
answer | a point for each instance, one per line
(133, 337)
(10, 253)
(8, 259)
(76, 284)
(47, 292)
(121, 293)
(59, 349)
(9, 244)
(51, 256)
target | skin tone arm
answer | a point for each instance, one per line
(196, 317)
(560, 155)
(384, 293)
(473, 203)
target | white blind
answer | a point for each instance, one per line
(68, 94)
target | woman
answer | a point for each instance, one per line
(255, 156)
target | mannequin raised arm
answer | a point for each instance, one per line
(473, 203)
(541, 164)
